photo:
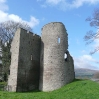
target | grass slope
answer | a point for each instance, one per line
(79, 89)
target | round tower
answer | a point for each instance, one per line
(54, 66)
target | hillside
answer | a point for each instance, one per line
(83, 73)
(79, 89)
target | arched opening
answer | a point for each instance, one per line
(65, 56)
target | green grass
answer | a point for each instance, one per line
(79, 89)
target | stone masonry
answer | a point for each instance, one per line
(38, 62)
(25, 62)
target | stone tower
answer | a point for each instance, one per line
(55, 70)
(25, 62)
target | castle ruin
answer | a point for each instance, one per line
(42, 63)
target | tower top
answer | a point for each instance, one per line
(53, 24)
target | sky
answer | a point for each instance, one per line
(72, 13)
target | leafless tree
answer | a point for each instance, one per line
(8, 28)
(7, 31)
(91, 35)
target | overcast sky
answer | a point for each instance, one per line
(72, 13)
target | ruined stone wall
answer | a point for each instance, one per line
(28, 63)
(54, 71)
(70, 74)
(12, 79)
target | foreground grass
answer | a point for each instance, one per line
(79, 89)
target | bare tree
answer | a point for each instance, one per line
(8, 28)
(91, 35)
(7, 31)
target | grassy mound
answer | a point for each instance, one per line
(79, 89)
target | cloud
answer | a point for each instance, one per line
(4, 16)
(79, 3)
(86, 61)
(3, 5)
(33, 21)
(64, 4)
(53, 2)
